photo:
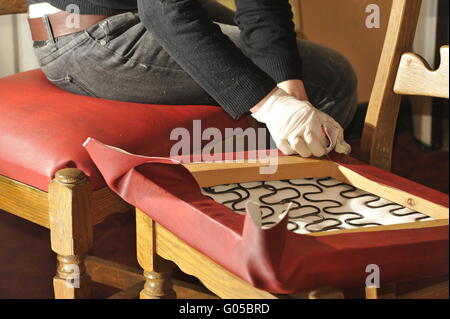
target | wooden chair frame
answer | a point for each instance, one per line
(70, 208)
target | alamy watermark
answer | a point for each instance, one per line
(230, 144)
(73, 19)
(373, 20)
(373, 279)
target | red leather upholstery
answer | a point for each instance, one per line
(42, 128)
(275, 260)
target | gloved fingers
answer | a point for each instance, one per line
(313, 142)
(342, 147)
(336, 132)
(285, 148)
(299, 145)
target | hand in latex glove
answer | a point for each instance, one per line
(297, 127)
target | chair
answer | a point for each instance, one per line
(46, 176)
(398, 73)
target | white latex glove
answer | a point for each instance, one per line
(297, 127)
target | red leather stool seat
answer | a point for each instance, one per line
(42, 128)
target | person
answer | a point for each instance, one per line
(200, 52)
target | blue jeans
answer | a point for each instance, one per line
(118, 59)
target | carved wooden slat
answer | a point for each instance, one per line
(415, 76)
(13, 6)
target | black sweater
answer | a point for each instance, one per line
(236, 80)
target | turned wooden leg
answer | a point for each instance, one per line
(71, 230)
(371, 292)
(388, 291)
(157, 271)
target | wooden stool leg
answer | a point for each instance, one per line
(71, 230)
(371, 292)
(388, 291)
(157, 271)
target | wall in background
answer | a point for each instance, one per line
(8, 51)
(341, 26)
(17, 50)
(425, 45)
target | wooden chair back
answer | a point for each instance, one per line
(399, 73)
(13, 6)
(415, 76)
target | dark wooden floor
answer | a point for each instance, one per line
(27, 263)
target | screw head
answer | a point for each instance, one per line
(411, 202)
